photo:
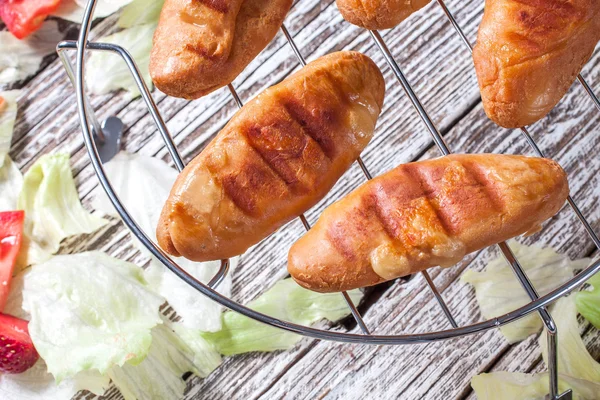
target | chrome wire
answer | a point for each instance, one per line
(204, 289)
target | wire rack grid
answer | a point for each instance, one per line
(89, 124)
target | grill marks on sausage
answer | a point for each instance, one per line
(221, 6)
(435, 195)
(455, 194)
(278, 144)
(318, 123)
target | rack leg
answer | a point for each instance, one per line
(96, 127)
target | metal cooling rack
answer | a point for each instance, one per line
(90, 125)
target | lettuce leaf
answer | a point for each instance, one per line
(37, 384)
(111, 68)
(89, 311)
(573, 357)
(287, 301)
(8, 116)
(576, 367)
(20, 59)
(588, 301)
(53, 211)
(143, 184)
(498, 291)
(515, 385)
(140, 12)
(159, 375)
(11, 182)
(72, 10)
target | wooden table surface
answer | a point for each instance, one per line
(440, 69)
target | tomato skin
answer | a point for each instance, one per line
(23, 17)
(11, 234)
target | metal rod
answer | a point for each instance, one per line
(551, 330)
(71, 74)
(589, 91)
(437, 138)
(145, 92)
(440, 299)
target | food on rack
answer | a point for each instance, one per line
(200, 46)
(277, 157)
(529, 53)
(23, 17)
(378, 14)
(17, 353)
(424, 214)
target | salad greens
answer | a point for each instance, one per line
(89, 311)
(138, 20)
(287, 301)
(515, 385)
(20, 59)
(588, 301)
(143, 184)
(159, 375)
(8, 115)
(11, 182)
(573, 357)
(37, 384)
(72, 10)
(576, 367)
(138, 41)
(140, 12)
(52, 208)
(498, 291)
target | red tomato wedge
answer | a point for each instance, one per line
(23, 17)
(11, 232)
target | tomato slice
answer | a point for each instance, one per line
(23, 17)
(11, 232)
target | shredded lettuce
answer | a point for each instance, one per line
(89, 311)
(20, 59)
(37, 384)
(286, 301)
(72, 10)
(107, 72)
(8, 115)
(140, 12)
(159, 376)
(53, 211)
(576, 367)
(11, 182)
(498, 291)
(588, 301)
(573, 357)
(515, 385)
(143, 184)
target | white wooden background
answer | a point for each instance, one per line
(440, 68)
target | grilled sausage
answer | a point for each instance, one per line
(378, 14)
(424, 214)
(278, 156)
(528, 54)
(202, 45)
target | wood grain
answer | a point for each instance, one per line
(440, 69)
